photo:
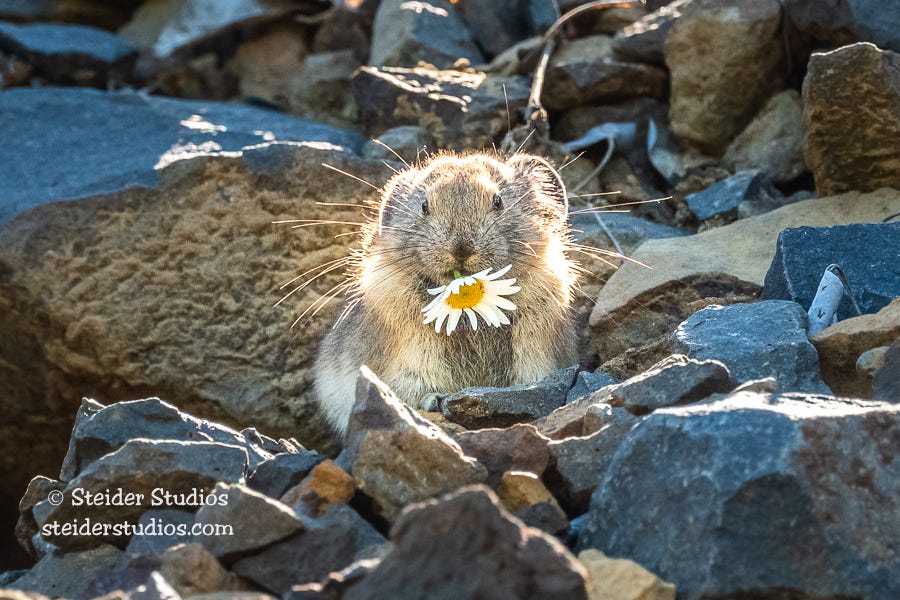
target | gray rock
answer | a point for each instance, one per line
(395, 456)
(674, 380)
(26, 527)
(369, 543)
(82, 132)
(516, 448)
(273, 477)
(587, 383)
(466, 546)
(750, 486)
(154, 538)
(157, 474)
(757, 340)
(628, 229)
(866, 252)
(255, 521)
(76, 46)
(497, 24)
(886, 381)
(322, 89)
(850, 136)
(405, 33)
(866, 20)
(69, 575)
(724, 198)
(409, 141)
(644, 40)
(500, 407)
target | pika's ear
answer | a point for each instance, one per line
(545, 178)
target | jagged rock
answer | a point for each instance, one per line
(327, 484)
(866, 253)
(726, 59)
(886, 381)
(523, 494)
(273, 477)
(864, 20)
(586, 71)
(397, 457)
(724, 199)
(516, 448)
(841, 345)
(638, 303)
(265, 64)
(335, 585)
(675, 380)
(761, 339)
(37, 491)
(773, 142)
(343, 29)
(587, 383)
(255, 520)
(498, 25)
(153, 540)
(644, 40)
(369, 542)
(600, 416)
(750, 483)
(851, 138)
(457, 109)
(621, 579)
(408, 141)
(568, 420)
(479, 407)
(405, 33)
(68, 575)
(322, 89)
(466, 544)
(148, 473)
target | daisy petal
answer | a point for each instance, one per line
(453, 321)
(499, 273)
(473, 319)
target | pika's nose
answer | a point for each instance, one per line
(462, 250)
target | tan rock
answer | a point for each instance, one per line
(265, 65)
(621, 579)
(643, 302)
(725, 59)
(851, 114)
(521, 489)
(325, 485)
(841, 345)
(773, 141)
(191, 570)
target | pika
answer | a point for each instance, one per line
(454, 214)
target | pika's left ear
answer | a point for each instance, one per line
(546, 180)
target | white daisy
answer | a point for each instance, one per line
(479, 293)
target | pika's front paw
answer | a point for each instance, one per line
(432, 402)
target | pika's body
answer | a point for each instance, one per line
(454, 214)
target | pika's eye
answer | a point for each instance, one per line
(424, 207)
(498, 202)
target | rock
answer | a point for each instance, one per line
(773, 142)
(517, 448)
(108, 15)
(587, 383)
(644, 40)
(870, 361)
(631, 231)
(726, 59)
(369, 542)
(68, 54)
(865, 253)
(343, 29)
(523, 494)
(322, 89)
(37, 491)
(600, 416)
(335, 585)
(395, 456)
(851, 140)
(865, 20)
(586, 71)
(256, 521)
(621, 579)
(154, 539)
(405, 33)
(841, 345)
(276, 475)
(495, 25)
(265, 64)
(68, 575)
(672, 381)
(762, 339)
(886, 382)
(192, 570)
(568, 420)
(326, 484)
(750, 483)
(479, 407)
(408, 141)
(156, 474)
(457, 109)
(731, 261)
(725, 198)
(466, 542)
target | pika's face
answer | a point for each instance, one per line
(466, 214)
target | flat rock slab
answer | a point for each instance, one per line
(866, 252)
(757, 340)
(60, 41)
(751, 484)
(66, 143)
(724, 198)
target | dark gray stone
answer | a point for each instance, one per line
(749, 188)
(758, 496)
(405, 33)
(77, 142)
(758, 340)
(69, 575)
(886, 382)
(500, 407)
(866, 252)
(64, 42)
(516, 448)
(369, 543)
(497, 24)
(628, 229)
(273, 477)
(154, 539)
(587, 383)
(867, 20)
(645, 39)
(674, 380)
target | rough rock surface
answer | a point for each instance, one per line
(525, 495)
(751, 483)
(621, 579)
(644, 40)
(516, 448)
(886, 381)
(675, 380)
(67, 575)
(725, 58)
(865, 20)
(848, 148)
(757, 340)
(273, 477)
(724, 199)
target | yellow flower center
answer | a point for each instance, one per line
(468, 296)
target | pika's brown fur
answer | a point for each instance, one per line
(466, 214)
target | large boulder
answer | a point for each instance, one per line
(834, 21)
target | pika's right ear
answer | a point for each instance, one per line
(547, 180)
